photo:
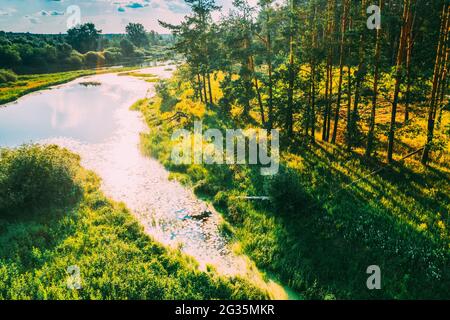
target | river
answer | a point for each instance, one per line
(95, 121)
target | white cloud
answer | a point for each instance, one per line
(7, 11)
(50, 13)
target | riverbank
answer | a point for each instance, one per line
(90, 233)
(26, 84)
(319, 233)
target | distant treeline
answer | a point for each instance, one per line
(83, 46)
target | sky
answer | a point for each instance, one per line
(111, 16)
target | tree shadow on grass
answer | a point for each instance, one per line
(327, 245)
(25, 240)
(324, 238)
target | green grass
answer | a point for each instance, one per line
(29, 83)
(116, 259)
(137, 74)
(316, 235)
(26, 84)
(148, 77)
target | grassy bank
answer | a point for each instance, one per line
(53, 216)
(26, 84)
(320, 232)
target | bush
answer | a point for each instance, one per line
(75, 60)
(127, 47)
(112, 56)
(94, 59)
(168, 101)
(288, 194)
(139, 54)
(233, 208)
(35, 178)
(7, 76)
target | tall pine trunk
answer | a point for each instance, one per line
(329, 72)
(443, 91)
(398, 75)
(359, 77)
(313, 101)
(199, 87)
(270, 71)
(204, 89)
(210, 89)
(439, 67)
(345, 13)
(258, 92)
(349, 100)
(371, 132)
(312, 63)
(291, 76)
(409, 49)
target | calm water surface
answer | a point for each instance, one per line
(95, 122)
(87, 114)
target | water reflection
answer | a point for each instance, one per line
(87, 114)
(95, 122)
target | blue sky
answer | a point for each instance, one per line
(111, 16)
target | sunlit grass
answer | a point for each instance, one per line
(148, 77)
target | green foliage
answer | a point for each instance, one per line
(289, 196)
(127, 47)
(168, 101)
(34, 178)
(8, 56)
(84, 37)
(75, 60)
(94, 59)
(112, 55)
(137, 34)
(38, 53)
(7, 76)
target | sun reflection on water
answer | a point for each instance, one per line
(165, 208)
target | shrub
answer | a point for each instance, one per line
(233, 208)
(94, 59)
(34, 178)
(7, 76)
(51, 53)
(168, 101)
(75, 60)
(127, 47)
(112, 56)
(139, 54)
(288, 194)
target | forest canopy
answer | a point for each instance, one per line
(317, 68)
